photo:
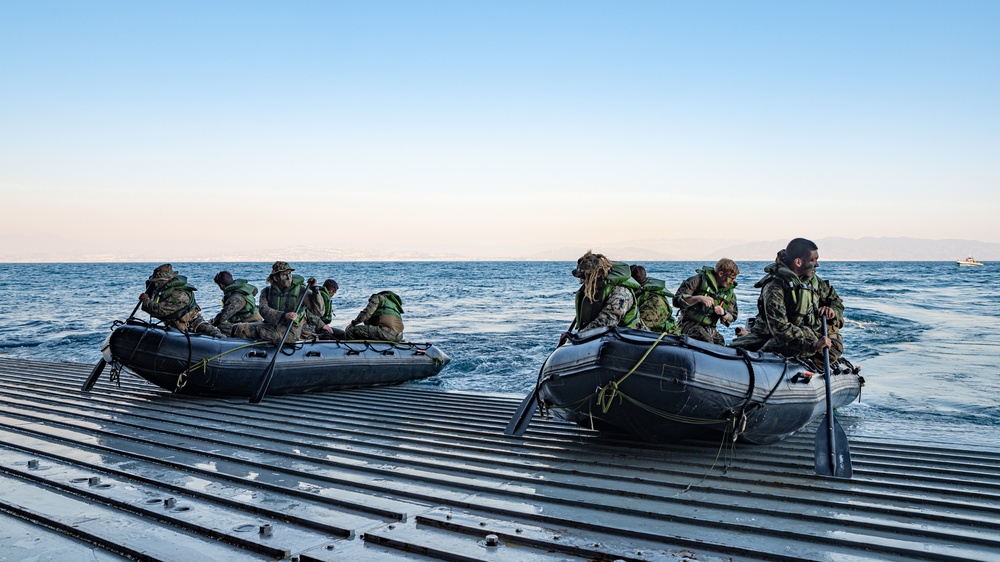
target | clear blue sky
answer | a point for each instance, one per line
(493, 128)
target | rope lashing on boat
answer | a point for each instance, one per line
(606, 399)
(203, 364)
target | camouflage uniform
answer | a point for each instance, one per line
(619, 302)
(384, 326)
(174, 304)
(780, 327)
(691, 315)
(235, 309)
(655, 311)
(319, 313)
(275, 325)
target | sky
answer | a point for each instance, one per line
(483, 129)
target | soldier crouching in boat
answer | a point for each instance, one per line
(792, 302)
(319, 313)
(239, 303)
(607, 294)
(381, 320)
(169, 298)
(706, 299)
(278, 304)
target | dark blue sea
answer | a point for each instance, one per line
(924, 333)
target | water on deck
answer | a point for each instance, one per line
(410, 473)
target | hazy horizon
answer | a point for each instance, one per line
(515, 128)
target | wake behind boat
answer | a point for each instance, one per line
(665, 388)
(200, 364)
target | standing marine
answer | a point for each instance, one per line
(792, 302)
(607, 293)
(706, 299)
(169, 298)
(381, 320)
(239, 302)
(654, 303)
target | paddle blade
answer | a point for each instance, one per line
(522, 416)
(833, 452)
(94, 375)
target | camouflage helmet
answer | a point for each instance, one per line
(165, 271)
(277, 268)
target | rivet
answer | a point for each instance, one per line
(448, 517)
(518, 530)
(492, 540)
(265, 530)
(33, 463)
(482, 523)
(94, 480)
(169, 502)
(556, 537)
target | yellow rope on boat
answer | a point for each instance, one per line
(606, 399)
(203, 364)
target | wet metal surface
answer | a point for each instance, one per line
(410, 473)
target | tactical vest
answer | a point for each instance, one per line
(655, 290)
(287, 300)
(247, 291)
(178, 283)
(619, 276)
(327, 316)
(709, 287)
(391, 305)
(802, 298)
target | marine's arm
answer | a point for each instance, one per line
(233, 304)
(684, 296)
(368, 311)
(732, 312)
(619, 301)
(795, 339)
(270, 315)
(167, 304)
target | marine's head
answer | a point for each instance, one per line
(223, 279)
(161, 276)
(726, 271)
(331, 286)
(591, 269)
(281, 275)
(801, 256)
(639, 274)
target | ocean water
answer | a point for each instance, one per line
(924, 333)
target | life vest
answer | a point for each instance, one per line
(802, 297)
(178, 283)
(655, 291)
(241, 288)
(327, 316)
(709, 287)
(391, 305)
(619, 276)
(287, 300)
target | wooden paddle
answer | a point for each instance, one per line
(265, 379)
(833, 452)
(521, 419)
(99, 368)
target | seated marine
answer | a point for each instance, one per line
(654, 303)
(169, 298)
(239, 302)
(381, 320)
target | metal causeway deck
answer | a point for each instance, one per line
(412, 473)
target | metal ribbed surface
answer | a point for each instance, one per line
(410, 473)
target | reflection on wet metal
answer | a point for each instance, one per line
(405, 473)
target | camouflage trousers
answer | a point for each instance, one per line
(194, 322)
(373, 333)
(266, 332)
(699, 331)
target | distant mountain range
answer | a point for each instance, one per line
(686, 249)
(834, 249)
